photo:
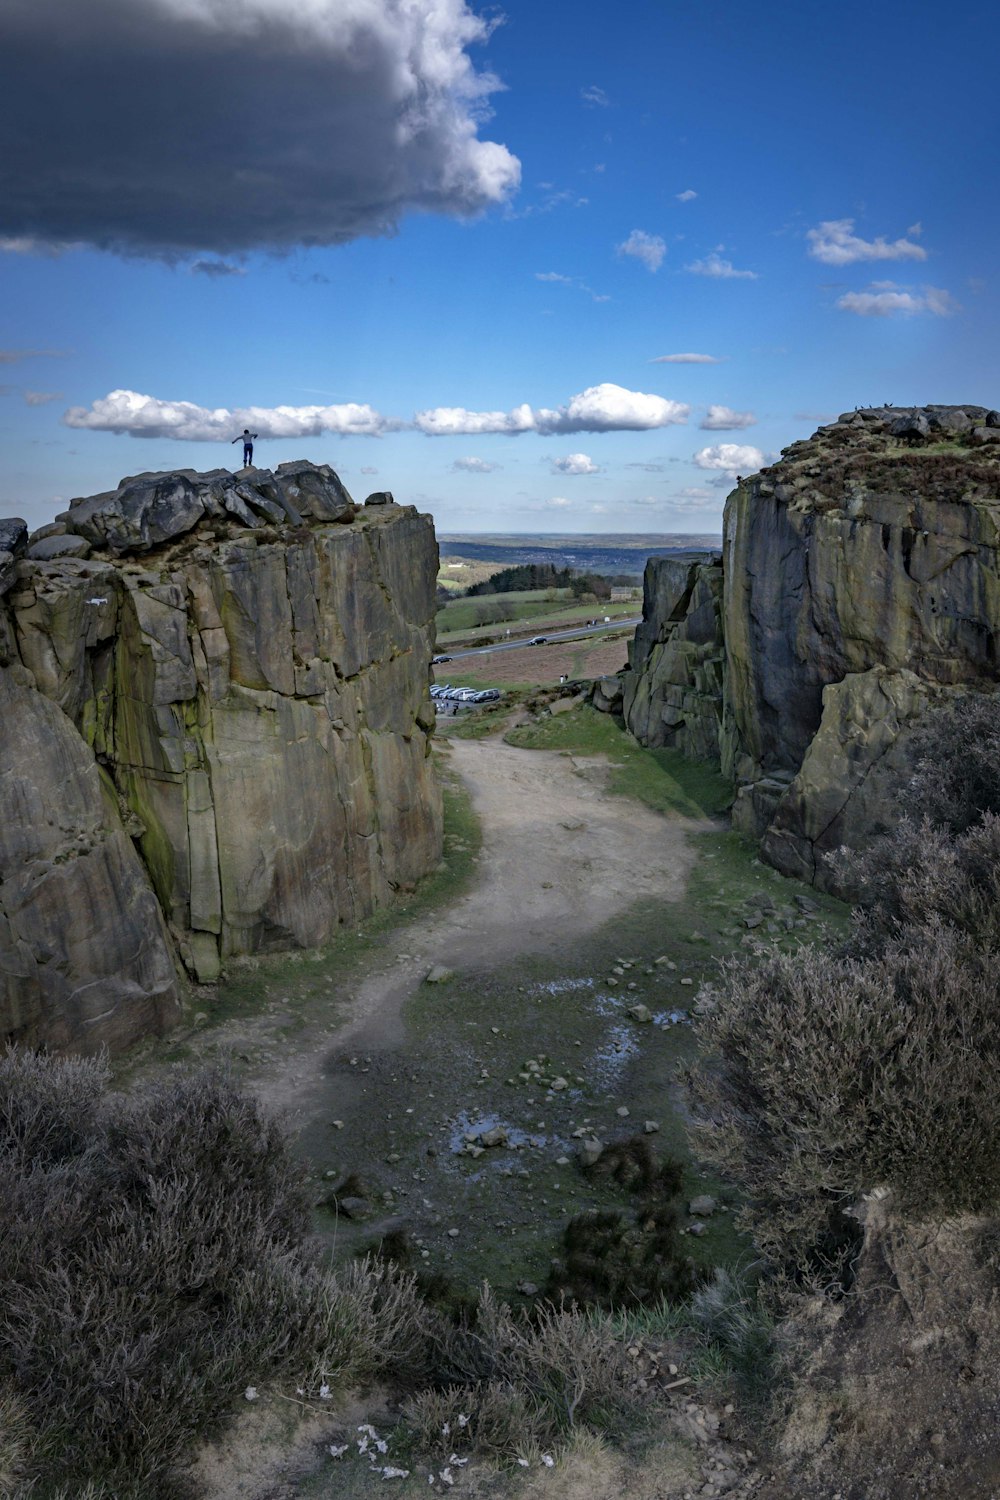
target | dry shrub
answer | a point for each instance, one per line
(828, 1076)
(490, 1419)
(521, 1378)
(372, 1321)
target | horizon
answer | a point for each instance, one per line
(585, 282)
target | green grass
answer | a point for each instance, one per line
(663, 779)
(459, 619)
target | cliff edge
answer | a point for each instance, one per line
(214, 736)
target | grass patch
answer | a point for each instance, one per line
(663, 779)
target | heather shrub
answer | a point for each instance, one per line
(827, 1076)
(957, 762)
(924, 872)
(153, 1267)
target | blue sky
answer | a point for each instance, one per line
(458, 255)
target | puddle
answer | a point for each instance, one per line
(563, 986)
(465, 1124)
(622, 1045)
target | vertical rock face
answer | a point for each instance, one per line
(245, 658)
(672, 689)
(860, 583)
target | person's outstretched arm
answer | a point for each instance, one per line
(235, 440)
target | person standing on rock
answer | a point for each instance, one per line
(246, 438)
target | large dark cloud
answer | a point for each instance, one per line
(166, 127)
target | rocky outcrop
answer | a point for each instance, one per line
(860, 583)
(672, 688)
(238, 672)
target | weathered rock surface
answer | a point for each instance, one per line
(672, 688)
(860, 583)
(84, 953)
(256, 692)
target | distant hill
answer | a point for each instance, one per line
(613, 554)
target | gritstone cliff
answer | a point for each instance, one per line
(214, 736)
(859, 582)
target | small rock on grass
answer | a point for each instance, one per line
(704, 1205)
(590, 1152)
(640, 1014)
(623, 1111)
(651, 1127)
(438, 974)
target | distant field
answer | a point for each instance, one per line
(539, 666)
(531, 608)
(459, 573)
(620, 553)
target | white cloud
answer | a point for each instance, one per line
(291, 122)
(695, 492)
(685, 359)
(595, 96)
(835, 244)
(474, 466)
(575, 463)
(884, 300)
(686, 196)
(41, 398)
(148, 416)
(573, 281)
(724, 419)
(649, 248)
(600, 408)
(647, 500)
(368, 469)
(730, 459)
(714, 265)
(560, 502)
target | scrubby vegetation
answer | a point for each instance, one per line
(154, 1267)
(834, 1073)
(157, 1270)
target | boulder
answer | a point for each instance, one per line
(57, 544)
(13, 535)
(314, 490)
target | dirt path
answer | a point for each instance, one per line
(560, 856)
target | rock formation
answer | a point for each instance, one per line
(215, 720)
(860, 583)
(672, 688)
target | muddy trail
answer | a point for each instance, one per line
(560, 859)
(386, 1080)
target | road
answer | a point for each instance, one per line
(556, 635)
